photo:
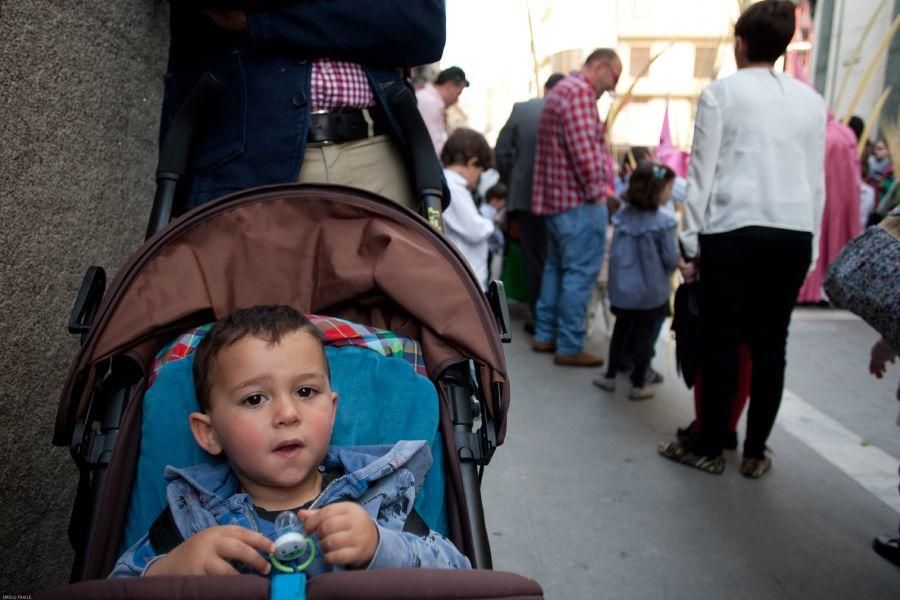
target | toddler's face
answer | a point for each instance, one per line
(272, 409)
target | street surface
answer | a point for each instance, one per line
(578, 499)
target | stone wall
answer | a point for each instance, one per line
(80, 89)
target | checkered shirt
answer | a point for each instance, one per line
(339, 84)
(572, 165)
(335, 332)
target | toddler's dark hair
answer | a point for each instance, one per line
(646, 183)
(465, 144)
(498, 190)
(267, 322)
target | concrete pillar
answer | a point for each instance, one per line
(80, 87)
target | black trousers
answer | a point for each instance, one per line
(632, 332)
(750, 279)
(533, 241)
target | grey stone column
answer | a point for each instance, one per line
(80, 90)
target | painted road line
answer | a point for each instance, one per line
(868, 465)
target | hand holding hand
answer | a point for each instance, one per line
(347, 534)
(689, 270)
(208, 553)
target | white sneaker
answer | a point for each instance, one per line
(640, 393)
(606, 383)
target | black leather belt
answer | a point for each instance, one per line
(347, 125)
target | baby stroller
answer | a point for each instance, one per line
(322, 249)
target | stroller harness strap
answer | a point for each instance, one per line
(164, 535)
(288, 586)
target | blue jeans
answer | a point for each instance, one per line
(575, 243)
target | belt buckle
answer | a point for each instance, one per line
(325, 142)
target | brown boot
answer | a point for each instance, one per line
(582, 359)
(543, 346)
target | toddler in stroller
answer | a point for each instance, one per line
(321, 250)
(263, 383)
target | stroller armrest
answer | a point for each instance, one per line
(226, 587)
(381, 584)
(422, 584)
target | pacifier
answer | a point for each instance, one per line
(291, 544)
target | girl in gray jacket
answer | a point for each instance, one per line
(643, 257)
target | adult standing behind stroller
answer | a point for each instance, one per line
(643, 257)
(755, 196)
(305, 98)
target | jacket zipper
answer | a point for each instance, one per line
(252, 518)
(323, 492)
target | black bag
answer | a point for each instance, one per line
(686, 325)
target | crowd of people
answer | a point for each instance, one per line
(774, 191)
(760, 213)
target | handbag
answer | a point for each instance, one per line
(686, 325)
(865, 278)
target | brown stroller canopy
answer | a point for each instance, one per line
(320, 249)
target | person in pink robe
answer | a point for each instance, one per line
(840, 217)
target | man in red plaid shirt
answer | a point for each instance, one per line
(572, 176)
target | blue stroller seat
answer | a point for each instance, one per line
(382, 399)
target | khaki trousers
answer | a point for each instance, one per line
(372, 164)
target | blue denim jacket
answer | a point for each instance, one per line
(643, 256)
(256, 133)
(382, 479)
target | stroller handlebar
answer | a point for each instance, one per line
(176, 147)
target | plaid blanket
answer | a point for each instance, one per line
(335, 332)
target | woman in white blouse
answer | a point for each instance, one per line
(754, 201)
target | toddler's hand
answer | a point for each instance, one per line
(347, 534)
(208, 553)
(689, 270)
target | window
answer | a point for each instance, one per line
(566, 61)
(705, 62)
(640, 56)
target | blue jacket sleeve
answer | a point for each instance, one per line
(135, 560)
(397, 549)
(667, 246)
(388, 33)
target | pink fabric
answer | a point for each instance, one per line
(666, 153)
(840, 218)
(432, 107)
(338, 84)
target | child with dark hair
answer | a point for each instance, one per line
(466, 155)
(643, 257)
(264, 389)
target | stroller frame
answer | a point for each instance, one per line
(93, 435)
